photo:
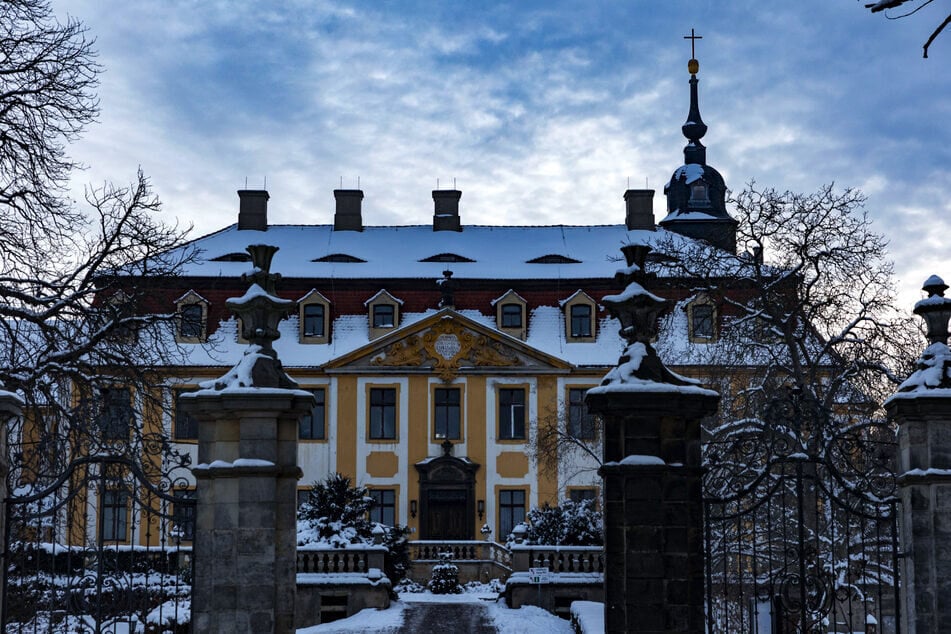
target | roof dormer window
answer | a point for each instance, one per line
(702, 320)
(384, 313)
(192, 318)
(580, 324)
(510, 311)
(314, 316)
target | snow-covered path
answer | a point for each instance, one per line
(467, 613)
(433, 617)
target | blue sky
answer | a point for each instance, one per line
(541, 111)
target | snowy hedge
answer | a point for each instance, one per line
(567, 524)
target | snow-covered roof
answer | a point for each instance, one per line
(399, 251)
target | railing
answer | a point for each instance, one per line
(461, 551)
(558, 558)
(350, 560)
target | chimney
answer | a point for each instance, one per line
(252, 209)
(348, 215)
(640, 209)
(446, 214)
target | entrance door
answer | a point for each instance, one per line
(447, 514)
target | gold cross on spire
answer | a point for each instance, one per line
(693, 40)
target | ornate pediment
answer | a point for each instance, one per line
(447, 344)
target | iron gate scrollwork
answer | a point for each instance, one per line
(98, 538)
(801, 514)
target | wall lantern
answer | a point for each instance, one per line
(480, 507)
(412, 508)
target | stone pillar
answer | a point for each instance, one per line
(922, 410)
(10, 407)
(246, 526)
(653, 511)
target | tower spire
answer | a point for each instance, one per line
(694, 128)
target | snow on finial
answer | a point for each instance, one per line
(935, 310)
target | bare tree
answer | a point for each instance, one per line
(882, 5)
(69, 324)
(808, 301)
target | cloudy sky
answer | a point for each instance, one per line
(541, 110)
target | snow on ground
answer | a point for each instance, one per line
(525, 620)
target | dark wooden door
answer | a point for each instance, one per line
(447, 514)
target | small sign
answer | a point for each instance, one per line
(539, 575)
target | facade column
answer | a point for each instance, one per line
(246, 521)
(653, 510)
(922, 410)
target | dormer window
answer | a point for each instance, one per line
(192, 318)
(384, 313)
(314, 318)
(510, 310)
(580, 310)
(511, 315)
(192, 321)
(384, 316)
(581, 320)
(702, 320)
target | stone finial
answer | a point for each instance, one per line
(935, 310)
(637, 309)
(260, 311)
(447, 288)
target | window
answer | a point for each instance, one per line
(115, 414)
(115, 516)
(581, 320)
(383, 316)
(511, 510)
(701, 321)
(698, 195)
(512, 414)
(313, 320)
(582, 494)
(313, 425)
(446, 417)
(511, 315)
(190, 321)
(183, 515)
(383, 510)
(185, 427)
(581, 424)
(383, 413)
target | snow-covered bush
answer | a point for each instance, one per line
(335, 513)
(567, 524)
(445, 579)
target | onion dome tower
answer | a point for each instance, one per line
(696, 193)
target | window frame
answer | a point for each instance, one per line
(379, 508)
(509, 508)
(190, 512)
(313, 320)
(447, 408)
(177, 415)
(187, 302)
(573, 492)
(321, 405)
(506, 315)
(313, 299)
(114, 515)
(107, 414)
(706, 306)
(573, 335)
(382, 391)
(587, 422)
(509, 391)
(581, 320)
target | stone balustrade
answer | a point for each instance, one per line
(353, 560)
(558, 559)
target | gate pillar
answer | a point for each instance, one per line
(922, 410)
(653, 511)
(246, 520)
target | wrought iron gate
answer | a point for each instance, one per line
(801, 523)
(99, 546)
